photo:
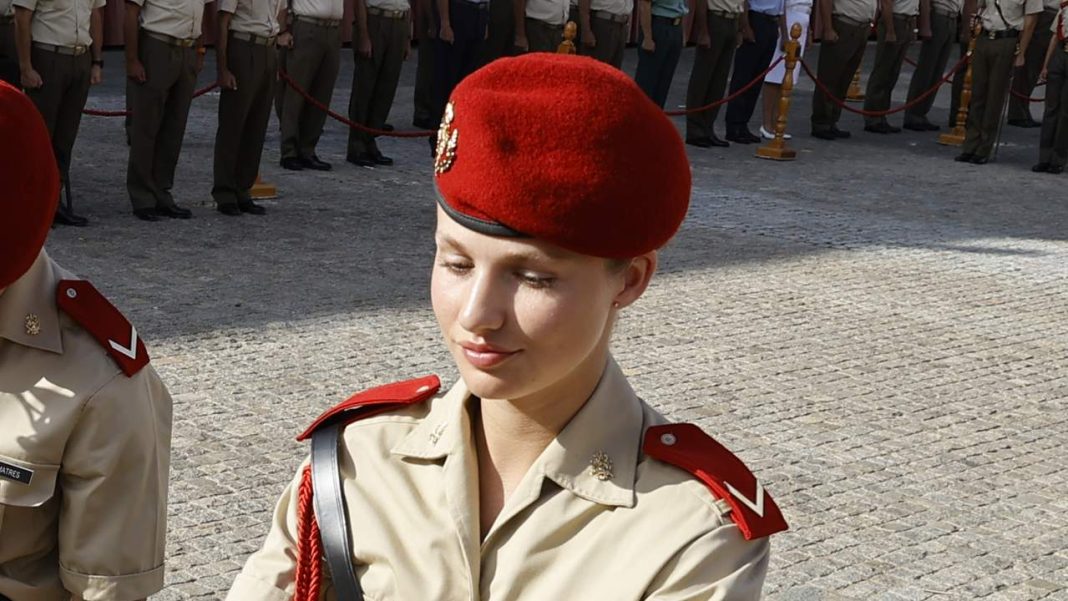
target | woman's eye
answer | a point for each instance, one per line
(456, 266)
(536, 281)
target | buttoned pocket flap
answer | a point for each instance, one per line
(24, 484)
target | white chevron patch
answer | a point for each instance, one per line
(131, 351)
(757, 506)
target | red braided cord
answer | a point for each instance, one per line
(370, 130)
(100, 113)
(911, 62)
(722, 101)
(1026, 97)
(838, 101)
(309, 575)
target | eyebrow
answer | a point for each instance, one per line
(541, 254)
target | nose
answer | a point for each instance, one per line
(485, 306)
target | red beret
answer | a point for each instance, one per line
(29, 184)
(564, 149)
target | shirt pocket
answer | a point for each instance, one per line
(26, 484)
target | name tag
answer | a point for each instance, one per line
(16, 473)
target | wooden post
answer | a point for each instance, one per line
(955, 136)
(776, 149)
(262, 191)
(855, 94)
(568, 45)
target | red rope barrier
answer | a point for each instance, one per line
(322, 107)
(1026, 97)
(722, 101)
(100, 113)
(842, 104)
(911, 62)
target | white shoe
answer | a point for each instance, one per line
(767, 135)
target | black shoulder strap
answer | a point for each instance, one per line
(330, 511)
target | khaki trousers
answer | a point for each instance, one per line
(160, 108)
(9, 60)
(1026, 78)
(243, 116)
(837, 63)
(990, 85)
(61, 99)
(708, 79)
(313, 64)
(611, 41)
(542, 36)
(931, 66)
(376, 78)
(1053, 143)
(889, 56)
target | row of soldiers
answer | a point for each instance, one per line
(58, 46)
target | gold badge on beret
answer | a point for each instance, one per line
(445, 153)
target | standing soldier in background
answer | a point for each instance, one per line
(86, 422)
(312, 62)
(60, 49)
(967, 24)
(9, 60)
(1053, 143)
(751, 59)
(247, 65)
(381, 43)
(1002, 44)
(461, 32)
(605, 26)
(423, 110)
(501, 39)
(164, 54)
(846, 24)
(897, 27)
(720, 25)
(539, 24)
(1023, 83)
(659, 45)
(934, 56)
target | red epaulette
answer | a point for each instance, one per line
(687, 447)
(377, 400)
(93, 312)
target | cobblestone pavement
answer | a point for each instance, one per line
(878, 331)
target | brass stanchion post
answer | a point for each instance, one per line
(262, 191)
(955, 136)
(776, 149)
(568, 45)
(855, 94)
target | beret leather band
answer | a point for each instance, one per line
(564, 149)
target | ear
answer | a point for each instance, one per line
(636, 277)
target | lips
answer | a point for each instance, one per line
(484, 356)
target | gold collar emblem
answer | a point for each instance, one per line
(33, 325)
(445, 154)
(601, 466)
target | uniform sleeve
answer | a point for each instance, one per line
(100, 3)
(270, 573)
(27, 4)
(720, 565)
(1033, 7)
(227, 6)
(113, 518)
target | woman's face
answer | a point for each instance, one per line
(519, 315)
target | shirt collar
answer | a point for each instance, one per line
(28, 312)
(595, 456)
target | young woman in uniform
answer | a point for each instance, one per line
(540, 474)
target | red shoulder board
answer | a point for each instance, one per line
(377, 400)
(687, 447)
(93, 312)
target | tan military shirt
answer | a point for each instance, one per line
(84, 456)
(177, 18)
(857, 10)
(553, 12)
(1014, 12)
(319, 9)
(61, 22)
(258, 17)
(952, 7)
(390, 4)
(7, 9)
(727, 6)
(650, 531)
(910, 8)
(616, 7)
(1052, 5)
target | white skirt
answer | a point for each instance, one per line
(779, 72)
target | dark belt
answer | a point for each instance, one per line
(253, 38)
(475, 4)
(387, 14)
(66, 50)
(1001, 34)
(853, 22)
(945, 13)
(171, 40)
(724, 14)
(607, 16)
(317, 21)
(675, 21)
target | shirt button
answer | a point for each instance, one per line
(668, 439)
